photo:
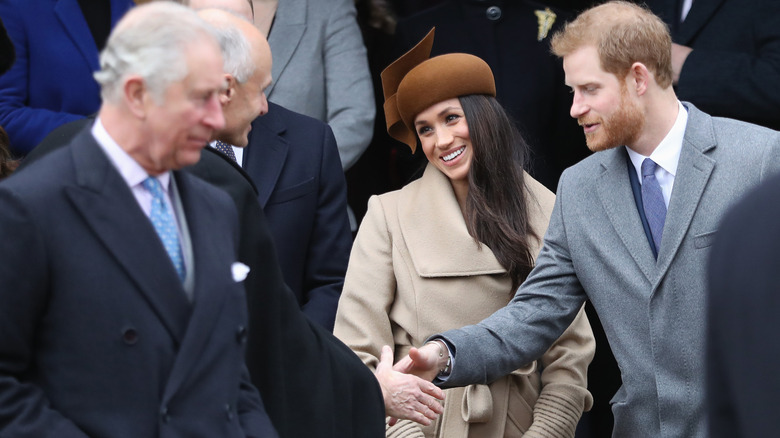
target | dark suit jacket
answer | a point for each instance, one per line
(742, 378)
(98, 337)
(735, 60)
(315, 386)
(529, 79)
(51, 81)
(295, 164)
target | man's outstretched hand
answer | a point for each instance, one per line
(407, 396)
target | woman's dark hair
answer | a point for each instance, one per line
(7, 163)
(496, 212)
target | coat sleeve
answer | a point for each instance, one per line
(349, 92)
(542, 309)
(363, 317)
(331, 239)
(564, 394)
(24, 409)
(26, 126)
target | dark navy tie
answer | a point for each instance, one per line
(225, 149)
(653, 202)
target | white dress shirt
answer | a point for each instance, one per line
(666, 155)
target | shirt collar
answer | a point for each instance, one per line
(131, 171)
(667, 154)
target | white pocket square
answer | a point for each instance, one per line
(239, 271)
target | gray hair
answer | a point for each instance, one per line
(236, 50)
(150, 41)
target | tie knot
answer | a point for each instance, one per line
(153, 186)
(648, 168)
(225, 149)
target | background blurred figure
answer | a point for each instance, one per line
(339, 398)
(147, 320)
(513, 38)
(421, 261)
(57, 45)
(744, 303)
(320, 67)
(7, 52)
(726, 55)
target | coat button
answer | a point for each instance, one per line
(129, 336)
(228, 412)
(164, 416)
(241, 334)
(493, 13)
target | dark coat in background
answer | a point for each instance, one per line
(294, 162)
(744, 303)
(735, 64)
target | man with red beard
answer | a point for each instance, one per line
(630, 231)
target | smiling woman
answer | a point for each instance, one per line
(448, 250)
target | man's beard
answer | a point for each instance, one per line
(621, 128)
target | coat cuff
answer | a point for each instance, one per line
(558, 410)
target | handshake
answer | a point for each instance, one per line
(406, 386)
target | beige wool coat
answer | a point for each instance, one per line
(415, 271)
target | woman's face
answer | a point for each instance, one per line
(444, 135)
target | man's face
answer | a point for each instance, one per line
(609, 114)
(248, 103)
(182, 124)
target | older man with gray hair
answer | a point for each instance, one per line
(121, 308)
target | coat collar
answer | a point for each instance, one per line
(106, 203)
(694, 170)
(697, 18)
(266, 154)
(693, 173)
(435, 231)
(69, 14)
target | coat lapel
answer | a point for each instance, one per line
(698, 17)
(109, 208)
(435, 232)
(614, 191)
(209, 294)
(266, 154)
(71, 18)
(288, 28)
(693, 172)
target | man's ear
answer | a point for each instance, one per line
(639, 77)
(226, 95)
(136, 95)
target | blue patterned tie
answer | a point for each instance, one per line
(164, 224)
(225, 149)
(653, 202)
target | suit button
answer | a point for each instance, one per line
(228, 412)
(129, 336)
(164, 416)
(241, 334)
(493, 13)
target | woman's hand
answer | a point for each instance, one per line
(407, 396)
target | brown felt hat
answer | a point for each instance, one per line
(415, 81)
